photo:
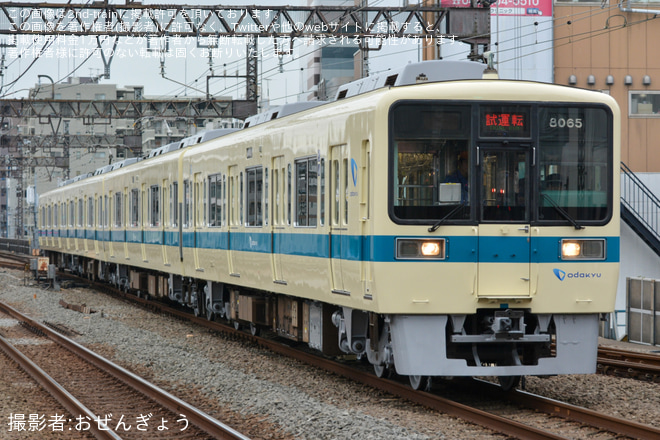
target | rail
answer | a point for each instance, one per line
(640, 208)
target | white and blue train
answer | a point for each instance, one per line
(437, 224)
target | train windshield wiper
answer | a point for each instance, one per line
(448, 216)
(563, 213)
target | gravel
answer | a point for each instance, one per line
(267, 396)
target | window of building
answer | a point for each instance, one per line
(644, 104)
(306, 192)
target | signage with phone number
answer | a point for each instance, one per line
(541, 8)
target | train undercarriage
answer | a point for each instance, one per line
(507, 343)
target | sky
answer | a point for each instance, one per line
(183, 70)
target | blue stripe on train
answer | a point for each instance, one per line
(459, 249)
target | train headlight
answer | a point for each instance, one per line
(591, 249)
(411, 248)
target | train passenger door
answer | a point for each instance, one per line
(338, 214)
(504, 251)
(278, 218)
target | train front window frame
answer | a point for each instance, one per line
(429, 138)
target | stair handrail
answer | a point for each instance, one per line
(649, 196)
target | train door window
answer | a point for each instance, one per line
(322, 195)
(135, 207)
(72, 213)
(504, 183)
(336, 180)
(223, 202)
(205, 207)
(306, 192)
(106, 211)
(154, 205)
(56, 219)
(187, 204)
(240, 198)
(276, 196)
(254, 202)
(345, 172)
(288, 194)
(266, 196)
(174, 204)
(118, 206)
(90, 212)
(80, 213)
(215, 200)
(50, 215)
(99, 204)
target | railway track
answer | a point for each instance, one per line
(625, 363)
(504, 425)
(102, 398)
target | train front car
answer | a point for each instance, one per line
(501, 247)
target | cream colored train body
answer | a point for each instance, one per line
(348, 226)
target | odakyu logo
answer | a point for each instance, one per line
(561, 275)
(354, 170)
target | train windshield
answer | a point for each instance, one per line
(431, 162)
(488, 162)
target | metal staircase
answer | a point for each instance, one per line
(640, 208)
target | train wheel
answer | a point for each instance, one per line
(254, 330)
(420, 382)
(237, 325)
(383, 371)
(508, 382)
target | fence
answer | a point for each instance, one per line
(643, 310)
(14, 245)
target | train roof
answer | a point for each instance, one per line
(414, 73)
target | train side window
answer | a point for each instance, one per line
(254, 202)
(154, 205)
(345, 172)
(306, 192)
(276, 196)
